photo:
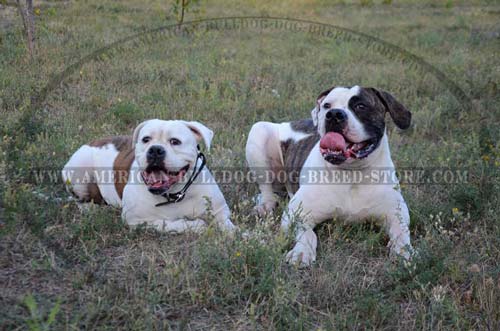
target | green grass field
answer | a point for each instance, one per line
(63, 269)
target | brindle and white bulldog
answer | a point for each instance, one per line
(157, 175)
(345, 135)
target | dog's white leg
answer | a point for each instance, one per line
(179, 226)
(222, 218)
(217, 204)
(397, 226)
(303, 253)
(286, 221)
(263, 154)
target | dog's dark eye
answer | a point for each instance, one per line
(360, 106)
(146, 139)
(175, 141)
(327, 106)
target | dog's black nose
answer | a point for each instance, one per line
(336, 116)
(156, 152)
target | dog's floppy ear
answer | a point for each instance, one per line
(201, 132)
(315, 111)
(135, 136)
(399, 114)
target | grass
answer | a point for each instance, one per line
(63, 269)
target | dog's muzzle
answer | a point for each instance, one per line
(335, 147)
(156, 176)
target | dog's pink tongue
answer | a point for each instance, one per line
(333, 141)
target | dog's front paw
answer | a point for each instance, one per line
(197, 226)
(228, 227)
(301, 256)
(404, 251)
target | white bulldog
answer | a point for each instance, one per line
(345, 139)
(158, 176)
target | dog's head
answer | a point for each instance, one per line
(351, 121)
(166, 150)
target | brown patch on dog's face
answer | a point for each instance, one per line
(370, 106)
(387, 103)
(370, 111)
